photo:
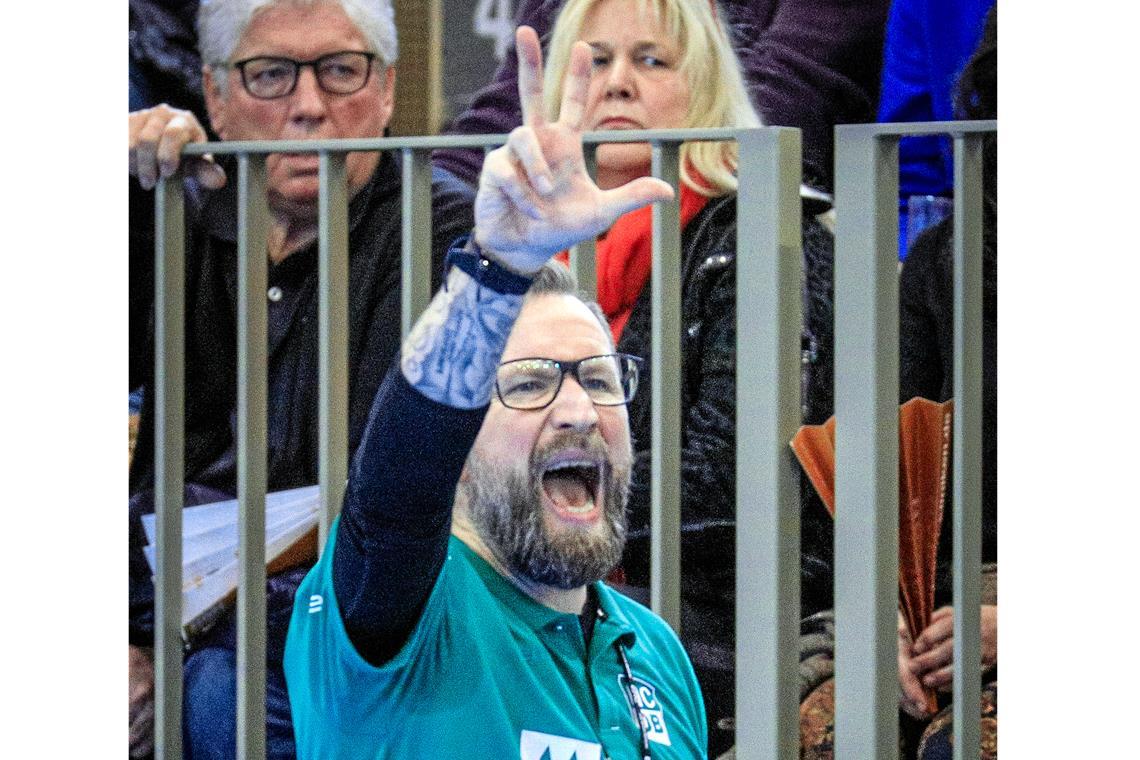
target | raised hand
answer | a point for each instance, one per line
(157, 137)
(535, 196)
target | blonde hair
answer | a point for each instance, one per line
(717, 95)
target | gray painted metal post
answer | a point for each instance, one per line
(253, 217)
(866, 444)
(665, 387)
(415, 270)
(332, 254)
(169, 358)
(967, 443)
(583, 257)
(769, 267)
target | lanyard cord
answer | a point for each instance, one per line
(632, 696)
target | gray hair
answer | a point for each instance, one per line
(557, 279)
(221, 24)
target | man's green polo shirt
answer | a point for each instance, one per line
(489, 673)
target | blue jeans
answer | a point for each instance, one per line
(209, 708)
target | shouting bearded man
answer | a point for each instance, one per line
(498, 640)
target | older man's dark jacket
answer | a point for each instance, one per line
(211, 350)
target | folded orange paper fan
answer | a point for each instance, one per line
(924, 455)
(814, 447)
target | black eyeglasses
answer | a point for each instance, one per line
(340, 73)
(609, 380)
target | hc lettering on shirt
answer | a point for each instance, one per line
(535, 745)
(652, 715)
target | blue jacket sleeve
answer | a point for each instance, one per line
(927, 44)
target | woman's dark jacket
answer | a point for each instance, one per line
(708, 398)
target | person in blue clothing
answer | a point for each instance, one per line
(457, 610)
(928, 44)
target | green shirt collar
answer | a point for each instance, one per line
(608, 629)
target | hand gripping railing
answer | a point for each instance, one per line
(866, 434)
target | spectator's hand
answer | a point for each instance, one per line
(140, 666)
(933, 662)
(912, 699)
(157, 137)
(535, 196)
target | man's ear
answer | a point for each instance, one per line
(388, 95)
(215, 99)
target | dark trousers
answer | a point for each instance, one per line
(209, 711)
(209, 708)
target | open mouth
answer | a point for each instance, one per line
(572, 486)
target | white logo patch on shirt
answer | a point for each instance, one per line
(533, 745)
(316, 603)
(652, 713)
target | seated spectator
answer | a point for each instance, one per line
(669, 64)
(810, 65)
(164, 63)
(283, 71)
(928, 43)
(505, 427)
(926, 367)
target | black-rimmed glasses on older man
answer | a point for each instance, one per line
(340, 73)
(533, 383)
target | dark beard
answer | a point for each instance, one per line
(506, 509)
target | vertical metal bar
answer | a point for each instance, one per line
(253, 219)
(665, 387)
(866, 445)
(769, 265)
(415, 267)
(967, 443)
(169, 393)
(333, 329)
(583, 257)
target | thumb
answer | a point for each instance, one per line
(633, 195)
(209, 173)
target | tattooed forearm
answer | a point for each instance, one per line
(452, 352)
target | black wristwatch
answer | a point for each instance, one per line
(466, 254)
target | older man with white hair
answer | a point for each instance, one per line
(272, 70)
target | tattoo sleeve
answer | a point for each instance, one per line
(452, 352)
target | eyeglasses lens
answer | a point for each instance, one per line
(608, 380)
(528, 383)
(338, 73)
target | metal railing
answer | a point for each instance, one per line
(866, 434)
(769, 270)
